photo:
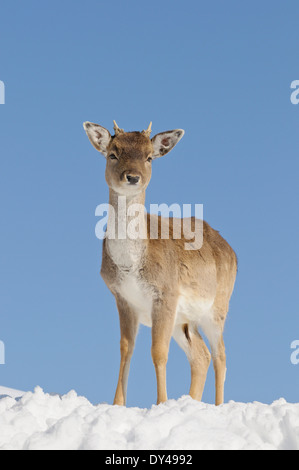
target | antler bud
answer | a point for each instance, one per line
(148, 130)
(117, 129)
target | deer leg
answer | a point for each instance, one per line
(128, 329)
(163, 316)
(198, 355)
(219, 362)
(214, 332)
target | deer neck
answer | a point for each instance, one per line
(126, 230)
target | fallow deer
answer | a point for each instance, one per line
(157, 282)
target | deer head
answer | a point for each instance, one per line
(129, 155)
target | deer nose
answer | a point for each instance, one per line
(133, 179)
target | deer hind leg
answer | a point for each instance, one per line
(128, 330)
(219, 363)
(198, 354)
(214, 333)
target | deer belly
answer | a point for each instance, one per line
(138, 297)
(195, 310)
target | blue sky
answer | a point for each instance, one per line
(220, 70)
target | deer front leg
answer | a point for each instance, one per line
(163, 316)
(128, 330)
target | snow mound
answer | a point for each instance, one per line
(39, 421)
(10, 392)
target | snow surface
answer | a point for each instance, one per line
(41, 421)
(10, 392)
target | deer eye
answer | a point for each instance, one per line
(112, 156)
(149, 159)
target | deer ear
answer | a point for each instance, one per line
(165, 141)
(98, 136)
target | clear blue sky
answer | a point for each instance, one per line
(221, 71)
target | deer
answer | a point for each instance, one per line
(155, 281)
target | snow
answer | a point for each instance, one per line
(39, 421)
(4, 391)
